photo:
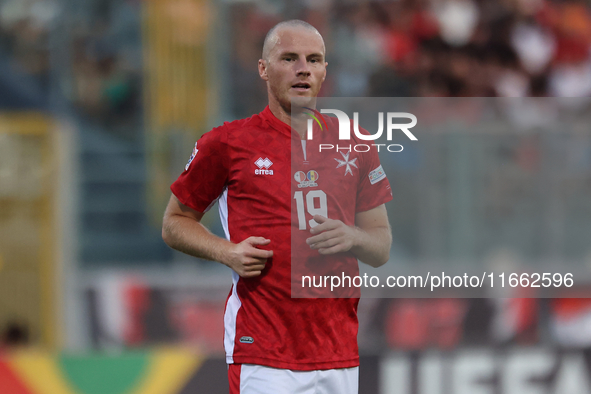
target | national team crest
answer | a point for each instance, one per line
(306, 180)
(195, 150)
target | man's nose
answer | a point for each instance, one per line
(302, 68)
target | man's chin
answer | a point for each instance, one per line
(303, 101)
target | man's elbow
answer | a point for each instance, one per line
(384, 254)
(379, 261)
(166, 233)
(378, 257)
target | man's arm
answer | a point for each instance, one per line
(182, 230)
(369, 240)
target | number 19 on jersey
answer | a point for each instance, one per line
(314, 204)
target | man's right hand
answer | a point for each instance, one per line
(246, 259)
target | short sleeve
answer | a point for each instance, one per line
(374, 188)
(206, 173)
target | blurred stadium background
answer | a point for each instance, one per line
(101, 102)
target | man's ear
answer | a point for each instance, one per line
(263, 69)
(324, 76)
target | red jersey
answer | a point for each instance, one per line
(247, 165)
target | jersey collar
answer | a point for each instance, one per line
(275, 123)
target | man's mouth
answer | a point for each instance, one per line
(301, 86)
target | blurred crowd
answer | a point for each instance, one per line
(424, 48)
(99, 47)
(24, 35)
(402, 48)
(107, 61)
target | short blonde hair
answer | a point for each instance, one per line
(272, 37)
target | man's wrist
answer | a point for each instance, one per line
(356, 238)
(225, 253)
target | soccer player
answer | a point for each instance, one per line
(333, 211)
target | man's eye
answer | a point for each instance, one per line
(289, 59)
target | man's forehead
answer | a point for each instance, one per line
(297, 39)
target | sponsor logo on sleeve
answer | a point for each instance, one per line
(195, 150)
(246, 340)
(377, 175)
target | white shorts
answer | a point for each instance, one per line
(258, 379)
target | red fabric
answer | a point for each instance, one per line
(234, 378)
(292, 333)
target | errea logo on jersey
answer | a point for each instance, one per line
(263, 166)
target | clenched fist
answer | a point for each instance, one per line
(246, 259)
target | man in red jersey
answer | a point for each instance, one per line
(275, 343)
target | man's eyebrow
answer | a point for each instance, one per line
(316, 54)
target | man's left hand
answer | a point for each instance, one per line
(331, 236)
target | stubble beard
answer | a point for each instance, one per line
(286, 101)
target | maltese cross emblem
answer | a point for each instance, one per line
(347, 162)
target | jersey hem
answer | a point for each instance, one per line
(184, 200)
(294, 366)
(372, 206)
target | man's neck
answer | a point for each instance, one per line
(279, 112)
(297, 123)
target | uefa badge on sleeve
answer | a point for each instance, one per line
(195, 150)
(377, 175)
